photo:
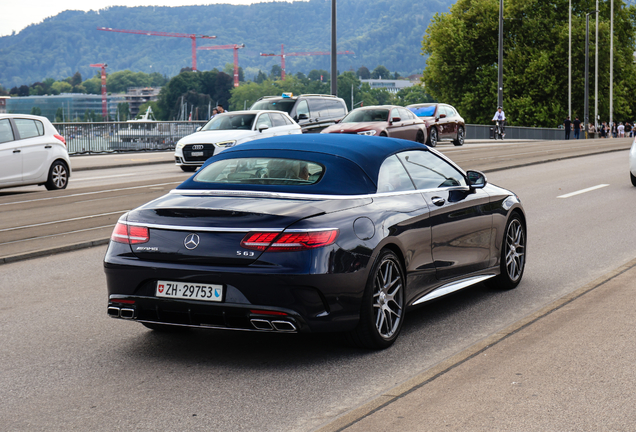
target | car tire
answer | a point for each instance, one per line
(419, 137)
(633, 177)
(164, 328)
(513, 255)
(383, 305)
(432, 138)
(58, 176)
(188, 168)
(383, 134)
(459, 141)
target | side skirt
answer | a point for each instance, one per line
(452, 287)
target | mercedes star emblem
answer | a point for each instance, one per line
(191, 241)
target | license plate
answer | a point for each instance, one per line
(197, 153)
(190, 291)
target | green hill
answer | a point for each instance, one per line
(382, 32)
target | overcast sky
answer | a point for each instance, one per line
(16, 15)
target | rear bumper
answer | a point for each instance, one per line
(327, 302)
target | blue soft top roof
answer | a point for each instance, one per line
(352, 162)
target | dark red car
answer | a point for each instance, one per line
(443, 122)
(383, 120)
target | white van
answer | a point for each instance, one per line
(32, 152)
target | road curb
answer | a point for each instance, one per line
(401, 390)
(52, 251)
(554, 160)
(91, 168)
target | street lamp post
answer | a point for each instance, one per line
(587, 72)
(596, 74)
(334, 66)
(500, 63)
(570, 59)
(611, 89)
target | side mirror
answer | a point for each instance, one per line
(396, 119)
(262, 128)
(198, 129)
(476, 179)
(442, 116)
(303, 116)
(338, 121)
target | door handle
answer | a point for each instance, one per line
(438, 201)
(48, 146)
(16, 151)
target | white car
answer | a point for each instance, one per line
(230, 129)
(632, 163)
(32, 152)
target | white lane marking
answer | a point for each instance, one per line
(104, 177)
(63, 220)
(89, 193)
(582, 191)
(55, 235)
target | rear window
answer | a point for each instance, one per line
(261, 171)
(285, 105)
(425, 111)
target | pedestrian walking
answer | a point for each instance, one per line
(614, 130)
(628, 129)
(566, 124)
(621, 130)
(577, 127)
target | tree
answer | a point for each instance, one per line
(36, 111)
(59, 115)
(123, 109)
(319, 75)
(363, 73)
(23, 90)
(462, 63)
(412, 95)
(76, 79)
(380, 72)
(61, 87)
(276, 72)
(260, 77)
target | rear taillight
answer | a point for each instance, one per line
(130, 234)
(289, 241)
(61, 138)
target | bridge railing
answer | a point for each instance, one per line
(124, 136)
(516, 132)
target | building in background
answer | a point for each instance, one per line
(137, 96)
(3, 104)
(391, 85)
(70, 106)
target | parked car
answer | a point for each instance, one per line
(32, 152)
(227, 130)
(632, 163)
(313, 112)
(383, 120)
(443, 122)
(313, 233)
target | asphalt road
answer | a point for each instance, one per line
(67, 366)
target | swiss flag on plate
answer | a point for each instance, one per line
(160, 288)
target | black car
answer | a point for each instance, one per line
(313, 233)
(313, 112)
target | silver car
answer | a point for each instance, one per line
(32, 152)
(230, 129)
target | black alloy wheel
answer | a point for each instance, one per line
(58, 176)
(633, 179)
(188, 168)
(383, 307)
(459, 141)
(513, 255)
(419, 137)
(432, 138)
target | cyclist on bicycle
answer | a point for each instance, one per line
(501, 117)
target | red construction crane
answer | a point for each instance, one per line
(235, 47)
(104, 105)
(283, 54)
(154, 33)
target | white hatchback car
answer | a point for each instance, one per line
(32, 152)
(230, 129)
(632, 162)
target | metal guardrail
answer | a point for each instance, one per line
(132, 136)
(516, 132)
(124, 136)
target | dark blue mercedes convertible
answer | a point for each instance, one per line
(313, 233)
